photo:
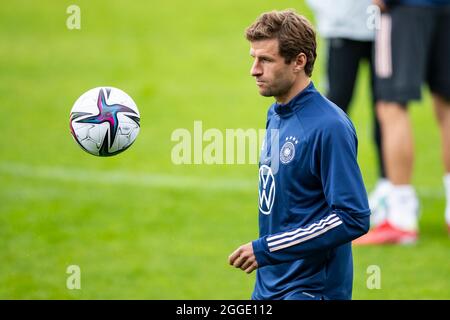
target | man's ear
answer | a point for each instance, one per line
(300, 62)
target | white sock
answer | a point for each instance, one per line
(382, 187)
(383, 181)
(403, 207)
(377, 202)
(447, 195)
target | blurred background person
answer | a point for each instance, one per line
(412, 46)
(350, 39)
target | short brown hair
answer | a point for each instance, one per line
(294, 32)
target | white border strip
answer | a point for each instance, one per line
(127, 178)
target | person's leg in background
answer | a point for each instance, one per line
(398, 153)
(343, 58)
(400, 225)
(397, 141)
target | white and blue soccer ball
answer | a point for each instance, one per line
(104, 121)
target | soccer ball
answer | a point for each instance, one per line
(104, 121)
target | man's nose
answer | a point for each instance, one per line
(256, 69)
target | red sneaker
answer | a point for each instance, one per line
(386, 233)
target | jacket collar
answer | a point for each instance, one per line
(296, 102)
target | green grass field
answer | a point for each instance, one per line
(139, 226)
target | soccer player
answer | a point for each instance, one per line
(411, 47)
(312, 200)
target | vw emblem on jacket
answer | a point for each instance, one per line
(266, 196)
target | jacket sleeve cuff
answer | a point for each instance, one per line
(261, 252)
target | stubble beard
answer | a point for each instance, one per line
(276, 91)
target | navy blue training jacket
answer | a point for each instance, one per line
(312, 201)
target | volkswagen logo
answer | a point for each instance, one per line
(266, 194)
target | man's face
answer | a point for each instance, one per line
(273, 76)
